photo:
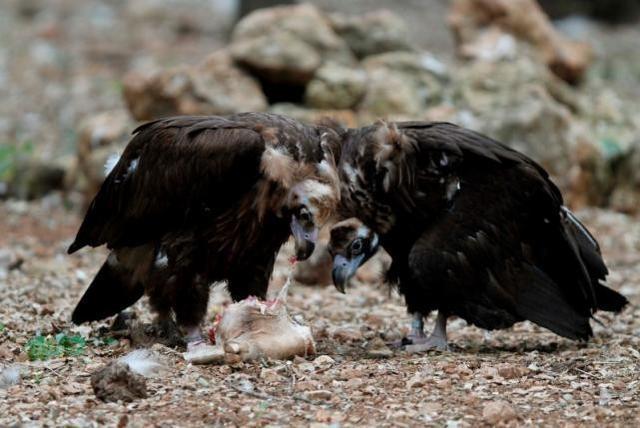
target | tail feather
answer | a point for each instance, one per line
(110, 292)
(589, 252)
(542, 302)
(610, 300)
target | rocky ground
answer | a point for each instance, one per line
(521, 376)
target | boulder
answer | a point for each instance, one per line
(345, 118)
(626, 194)
(287, 44)
(99, 137)
(470, 20)
(336, 86)
(402, 83)
(34, 177)
(517, 102)
(215, 86)
(373, 33)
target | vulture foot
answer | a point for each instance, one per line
(416, 336)
(436, 341)
(167, 333)
(433, 342)
(408, 340)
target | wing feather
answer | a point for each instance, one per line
(173, 170)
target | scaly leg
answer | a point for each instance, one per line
(437, 340)
(194, 338)
(416, 334)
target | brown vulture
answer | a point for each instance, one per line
(195, 200)
(475, 229)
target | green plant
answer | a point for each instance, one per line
(46, 347)
(10, 154)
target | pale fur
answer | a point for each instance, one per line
(9, 375)
(278, 166)
(391, 149)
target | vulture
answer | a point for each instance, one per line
(475, 229)
(197, 200)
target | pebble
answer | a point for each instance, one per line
(319, 394)
(323, 362)
(495, 412)
(416, 381)
(379, 353)
(270, 375)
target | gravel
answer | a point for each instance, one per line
(523, 375)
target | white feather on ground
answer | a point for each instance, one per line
(144, 362)
(9, 376)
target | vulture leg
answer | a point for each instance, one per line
(417, 327)
(437, 340)
(193, 337)
(190, 308)
(415, 336)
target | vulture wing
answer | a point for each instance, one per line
(498, 233)
(173, 170)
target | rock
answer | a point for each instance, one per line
(380, 353)
(496, 412)
(215, 86)
(33, 178)
(416, 381)
(515, 102)
(319, 394)
(99, 137)
(287, 44)
(626, 194)
(510, 371)
(355, 383)
(323, 362)
(473, 21)
(374, 32)
(346, 334)
(346, 118)
(117, 382)
(308, 385)
(401, 83)
(180, 16)
(270, 375)
(280, 57)
(336, 86)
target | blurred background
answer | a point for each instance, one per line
(556, 79)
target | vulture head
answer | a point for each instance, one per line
(313, 189)
(351, 244)
(311, 203)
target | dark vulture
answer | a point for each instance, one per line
(475, 229)
(195, 200)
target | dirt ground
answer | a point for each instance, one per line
(520, 376)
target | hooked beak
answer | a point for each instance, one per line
(305, 238)
(344, 269)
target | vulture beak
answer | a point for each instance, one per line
(359, 251)
(305, 235)
(344, 269)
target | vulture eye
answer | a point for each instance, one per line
(356, 247)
